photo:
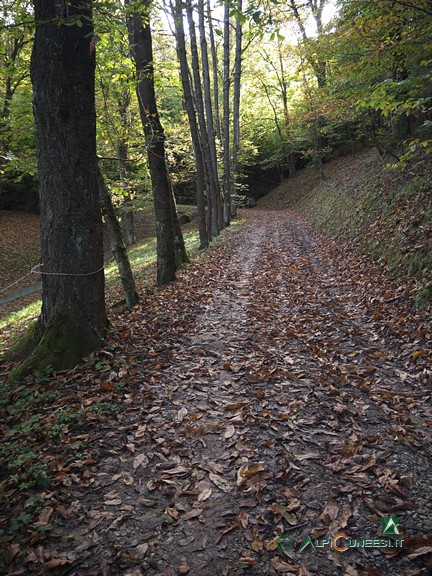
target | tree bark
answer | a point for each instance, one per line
(127, 219)
(117, 245)
(73, 319)
(193, 124)
(215, 72)
(208, 163)
(209, 110)
(236, 106)
(140, 41)
(226, 119)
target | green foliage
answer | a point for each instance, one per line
(17, 144)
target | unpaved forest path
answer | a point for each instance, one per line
(284, 392)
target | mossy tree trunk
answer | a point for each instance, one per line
(73, 318)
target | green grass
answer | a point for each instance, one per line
(385, 213)
(141, 256)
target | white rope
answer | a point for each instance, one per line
(14, 283)
(34, 271)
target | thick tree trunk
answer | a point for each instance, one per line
(226, 119)
(73, 319)
(208, 163)
(236, 106)
(117, 245)
(193, 124)
(142, 52)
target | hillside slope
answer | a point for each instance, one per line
(386, 214)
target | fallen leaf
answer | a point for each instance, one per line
(140, 460)
(220, 482)
(230, 431)
(330, 511)
(204, 495)
(283, 567)
(181, 415)
(114, 502)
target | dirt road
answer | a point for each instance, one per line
(283, 397)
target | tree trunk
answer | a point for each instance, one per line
(193, 124)
(117, 245)
(236, 106)
(127, 219)
(73, 318)
(209, 110)
(181, 255)
(210, 180)
(142, 52)
(226, 119)
(215, 72)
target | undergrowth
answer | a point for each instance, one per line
(45, 435)
(385, 212)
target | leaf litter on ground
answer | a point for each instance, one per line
(274, 390)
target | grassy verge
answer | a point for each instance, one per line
(386, 213)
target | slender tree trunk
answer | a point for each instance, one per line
(209, 109)
(181, 254)
(127, 215)
(226, 119)
(215, 72)
(210, 181)
(73, 318)
(117, 245)
(127, 219)
(290, 156)
(236, 106)
(193, 124)
(140, 40)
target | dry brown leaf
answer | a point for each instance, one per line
(114, 502)
(178, 471)
(307, 456)
(230, 431)
(257, 544)
(45, 515)
(244, 519)
(146, 502)
(56, 562)
(330, 511)
(204, 495)
(141, 431)
(220, 482)
(192, 514)
(140, 460)
(283, 567)
(183, 568)
(141, 550)
(372, 572)
(181, 415)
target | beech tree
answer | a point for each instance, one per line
(73, 319)
(193, 123)
(168, 229)
(211, 177)
(236, 100)
(226, 117)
